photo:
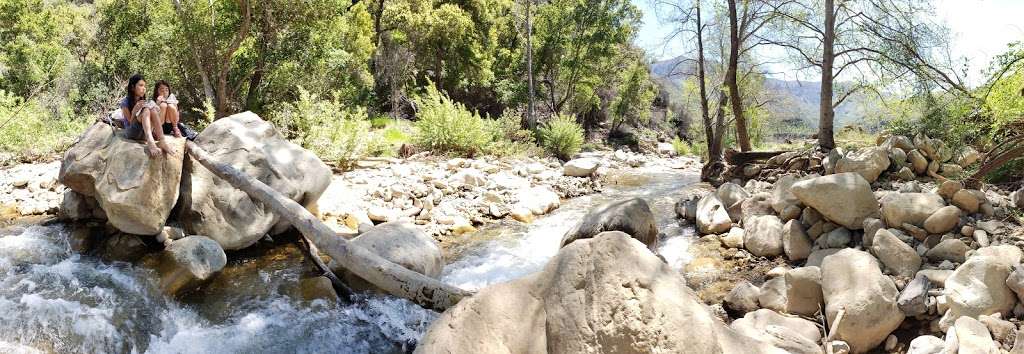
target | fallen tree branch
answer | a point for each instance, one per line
(389, 277)
(314, 255)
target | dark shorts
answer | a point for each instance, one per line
(134, 131)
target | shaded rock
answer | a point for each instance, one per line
(906, 174)
(967, 156)
(868, 162)
(730, 194)
(871, 226)
(762, 235)
(936, 276)
(632, 216)
(135, 191)
(782, 195)
(952, 250)
(897, 256)
(1002, 331)
(733, 239)
(795, 241)
(757, 204)
(712, 217)
(317, 288)
(742, 298)
(818, 256)
(210, 206)
(122, 247)
(188, 263)
(837, 238)
(1015, 281)
(910, 208)
(583, 167)
(942, 220)
(605, 294)
(852, 282)
(1017, 199)
(821, 193)
(401, 243)
(913, 299)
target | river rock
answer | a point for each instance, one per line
(852, 281)
(582, 167)
(742, 298)
(632, 216)
(897, 256)
(795, 241)
(973, 337)
(917, 162)
(953, 250)
(1017, 199)
(135, 191)
(967, 156)
(906, 174)
(871, 227)
(401, 243)
(763, 235)
(734, 238)
(605, 294)
(730, 194)
(942, 220)
(913, 299)
(76, 206)
(712, 217)
(210, 206)
(791, 333)
(759, 204)
(538, 200)
(910, 208)
(782, 194)
(949, 187)
(966, 200)
(188, 263)
(926, 345)
(1015, 281)
(978, 286)
(122, 247)
(773, 294)
(868, 162)
(821, 193)
(803, 291)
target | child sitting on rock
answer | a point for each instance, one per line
(142, 117)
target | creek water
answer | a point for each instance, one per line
(54, 300)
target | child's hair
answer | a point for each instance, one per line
(130, 90)
(156, 88)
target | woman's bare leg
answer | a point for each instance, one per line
(158, 132)
(145, 117)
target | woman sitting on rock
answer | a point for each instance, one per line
(142, 116)
(168, 108)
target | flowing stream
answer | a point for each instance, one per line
(54, 300)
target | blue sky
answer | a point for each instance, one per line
(981, 29)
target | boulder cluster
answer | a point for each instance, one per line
(146, 202)
(880, 239)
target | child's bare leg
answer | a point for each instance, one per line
(158, 132)
(173, 118)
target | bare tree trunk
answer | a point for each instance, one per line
(709, 131)
(531, 118)
(826, 140)
(223, 96)
(742, 136)
(389, 277)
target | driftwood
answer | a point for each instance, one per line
(387, 276)
(739, 158)
(1011, 148)
(313, 253)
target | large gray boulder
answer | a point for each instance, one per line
(632, 216)
(212, 207)
(845, 198)
(401, 243)
(909, 208)
(853, 283)
(135, 191)
(868, 162)
(605, 294)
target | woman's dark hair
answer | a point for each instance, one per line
(156, 88)
(130, 90)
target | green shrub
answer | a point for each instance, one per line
(446, 126)
(561, 136)
(380, 122)
(328, 128)
(508, 138)
(681, 147)
(30, 131)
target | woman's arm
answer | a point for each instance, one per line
(126, 114)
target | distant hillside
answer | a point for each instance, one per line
(793, 101)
